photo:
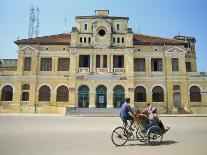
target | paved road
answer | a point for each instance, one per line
(56, 135)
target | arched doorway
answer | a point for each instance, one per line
(101, 94)
(177, 96)
(157, 94)
(118, 97)
(7, 93)
(195, 94)
(83, 97)
(44, 93)
(62, 94)
(140, 94)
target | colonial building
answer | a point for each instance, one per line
(99, 63)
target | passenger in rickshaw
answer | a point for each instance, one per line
(153, 117)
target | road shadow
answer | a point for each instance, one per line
(166, 142)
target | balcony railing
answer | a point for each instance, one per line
(118, 70)
(101, 70)
(83, 70)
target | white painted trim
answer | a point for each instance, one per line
(158, 85)
(27, 46)
(62, 84)
(7, 84)
(175, 47)
(51, 90)
(83, 84)
(141, 86)
(197, 85)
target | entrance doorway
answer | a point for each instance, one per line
(118, 97)
(177, 99)
(101, 94)
(83, 97)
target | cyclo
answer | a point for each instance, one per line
(142, 131)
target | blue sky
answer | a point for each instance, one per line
(164, 18)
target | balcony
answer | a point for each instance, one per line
(101, 70)
(118, 70)
(84, 70)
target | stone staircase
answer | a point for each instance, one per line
(105, 112)
(90, 112)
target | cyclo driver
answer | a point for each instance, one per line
(126, 113)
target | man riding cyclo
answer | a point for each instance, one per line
(148, 116)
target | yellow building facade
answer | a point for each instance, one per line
(99, 63)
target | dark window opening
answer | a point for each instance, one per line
(85, 27)
(84, 61)
(117, 27)
(188, 66)
(118, 61)
(156, 65)
(63, 64)
(84, 39)
(122, 40)
(195, 94)
(140, 94)
(7, 93)
(62, 94)
(80, 39)
(89, 40)
(175, 64)
(102, 32)
(44, 93)
(105, 61)
(27, 64)
(157, 94)
(139, 65)
(98, 61)
(46, 64)
(118, 40)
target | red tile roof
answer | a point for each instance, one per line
(64, 39)
(140, 39)
(59, 39)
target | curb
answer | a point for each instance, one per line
(95, 115)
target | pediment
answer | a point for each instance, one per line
(175, 51)
(27, 48)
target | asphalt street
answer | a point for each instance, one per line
(59, 135)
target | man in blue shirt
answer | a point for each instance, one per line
(126, 113)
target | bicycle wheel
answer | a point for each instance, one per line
(141, 135)
(155, 135)
(119, 136)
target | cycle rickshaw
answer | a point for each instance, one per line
(142, 131)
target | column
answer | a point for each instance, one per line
(77, 63)
(149, 97)
(111, 60)
(101, 61)
(91, 63)
(108, 63)
(92, 99)
(110, 99)
(53, 98)
(94, 63)
(17, 94)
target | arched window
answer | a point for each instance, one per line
(140, 94)
(62, 93)
(157, 94)
(7, 93)
(118, 40)
(44, 93)
(195, 94)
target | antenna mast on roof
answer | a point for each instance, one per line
(32, 20)
(65, 24)
(37, 22)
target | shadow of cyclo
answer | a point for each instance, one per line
(165, 142)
